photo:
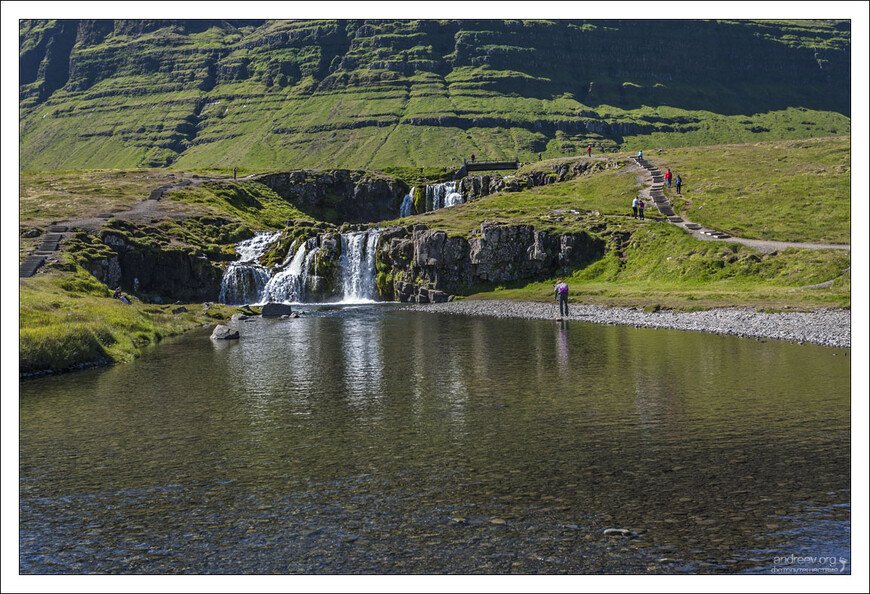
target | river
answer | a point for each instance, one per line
(379, 439)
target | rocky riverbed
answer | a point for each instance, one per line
(827, 327)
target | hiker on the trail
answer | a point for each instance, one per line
(472, 157)
(589, 151)
(679, 183)
(634, 206)
(640, 205)
(561, 289)
(234, 174)
(640, 154)
(668, 176)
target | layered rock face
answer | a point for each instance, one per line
(353, 93)
(339, 195)
(161, 274)
(422, 265)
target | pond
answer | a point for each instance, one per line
(380, 439)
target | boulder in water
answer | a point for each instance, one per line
(239, 316)
(274, 310)
(222, 332)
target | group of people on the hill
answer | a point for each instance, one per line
(637, 205)
(678, 181)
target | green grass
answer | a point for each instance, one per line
(380, 97)
(68, 319)
(608, 193)
(795, 191)
(249, 202)
(661, 265)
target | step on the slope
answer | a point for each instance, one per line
(156, 194)
(29, 266)
(675, 219)
(56, 229)
(693, 226)
(105, 215)
(49, 243)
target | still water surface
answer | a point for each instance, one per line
(383, 440)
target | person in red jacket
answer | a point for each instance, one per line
(668, 177)
(589, 151)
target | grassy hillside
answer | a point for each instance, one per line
(359, 94)
(786, 191)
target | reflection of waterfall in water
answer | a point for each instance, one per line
(442, 196)
(407, 208)
(357, 264)
(245, 279)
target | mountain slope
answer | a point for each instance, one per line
(416, 93)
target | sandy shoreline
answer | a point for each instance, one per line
(826, 327)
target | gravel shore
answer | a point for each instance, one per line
(827, 327)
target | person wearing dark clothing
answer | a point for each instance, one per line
(561, 289)
(679, 183)
(234, 174)
(472, 157)
(640, 205)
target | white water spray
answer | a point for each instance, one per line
(357, 264)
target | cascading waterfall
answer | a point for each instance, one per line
(442, 195)
(357, 263)
(407, 207)
(288, 285)
(244, 280)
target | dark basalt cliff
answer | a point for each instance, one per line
(354, 94)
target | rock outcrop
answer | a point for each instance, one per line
(276, 310)
(427, 266)
(222, 332)
(339, 195)
(162, 274)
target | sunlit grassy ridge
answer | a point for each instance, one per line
(356, 94)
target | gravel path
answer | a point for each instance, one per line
(827, 327)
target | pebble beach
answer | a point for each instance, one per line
(826, 327)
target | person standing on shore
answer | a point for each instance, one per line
(561, 289)
(634, 207)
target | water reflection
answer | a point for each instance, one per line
(384, 440)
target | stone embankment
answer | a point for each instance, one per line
(827, 327)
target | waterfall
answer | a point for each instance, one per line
(407, 207)
(288, 285)
(244, 280)
(357, 264)
(442, 195)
